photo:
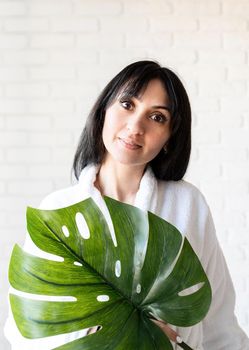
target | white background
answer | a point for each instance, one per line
(56, 55)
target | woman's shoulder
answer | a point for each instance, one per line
(75, 193)
(183, 205)
(181, 186)
(62, 198)
(183, 192)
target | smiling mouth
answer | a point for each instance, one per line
(129, 144)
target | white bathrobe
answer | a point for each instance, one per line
(181, 204)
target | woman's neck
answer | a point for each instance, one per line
(119, 181)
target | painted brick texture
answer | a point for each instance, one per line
(55, 56)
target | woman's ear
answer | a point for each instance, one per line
(165, 148)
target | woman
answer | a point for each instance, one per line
(135, 148)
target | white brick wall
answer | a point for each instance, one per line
(56, 55)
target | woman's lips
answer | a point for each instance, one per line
(129, 144)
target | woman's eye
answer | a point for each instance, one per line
(126, 104)
(159, 118)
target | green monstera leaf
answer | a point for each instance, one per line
(116, 280)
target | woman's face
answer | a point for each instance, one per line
(136, 128)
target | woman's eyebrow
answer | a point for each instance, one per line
(126, 94)
(156, 106)
(129, 96)
(162, 107)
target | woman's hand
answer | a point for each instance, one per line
(172, 335)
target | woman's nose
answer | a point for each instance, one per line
(135, 125)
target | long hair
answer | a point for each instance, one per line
(134, 78)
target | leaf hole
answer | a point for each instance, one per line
(82, 226)
(65, 231)
(77, 263)
(139, 288)
(191, 290)
(103, 298)
(93, 330)
(118, 268)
